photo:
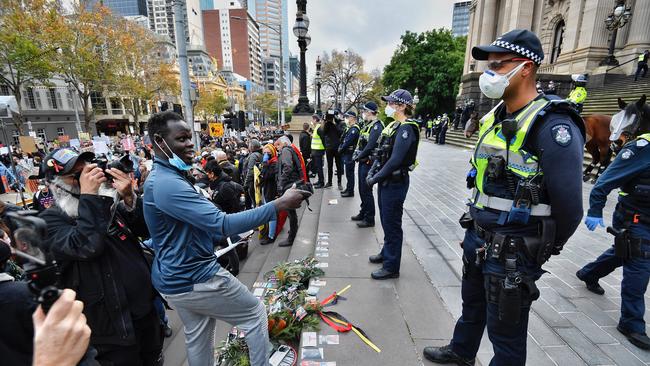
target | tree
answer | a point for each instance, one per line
(210, 104)
(27, 44)
(267, 103)
(432, 62)
(140, 74)
(89, 53)
(343, 73)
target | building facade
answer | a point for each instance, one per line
(124, 7)
(460, 19)
(161, 20)
(232, 39)
(272, 16)
(574, 37)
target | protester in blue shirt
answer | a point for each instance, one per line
(184, 225)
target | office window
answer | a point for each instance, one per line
(41, 133)
(98, 102)
(60, 131)
(15, 136)
(51, 98)
(4, 90)
(116, 106)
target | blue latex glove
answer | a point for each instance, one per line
(593, 222)
(471, 173)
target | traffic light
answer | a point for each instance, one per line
(241, 121)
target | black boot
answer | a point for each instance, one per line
(327, 185)
(377, 258)
(444, 354)
(364, 224)
(267, 241)
(638, 339)
(357, 217)
(287, 243)
(592, 286)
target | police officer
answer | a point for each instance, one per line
(350, 138)
(429, 127)
(436, 129)
(444, 125)
(317, 150)
(579, 92)
(395, 157)
(630, 171)
(527, 169)
(370, 134)
(642, 65)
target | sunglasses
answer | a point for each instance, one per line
(498, 64)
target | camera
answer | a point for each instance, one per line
(123, 164)
(28, 234)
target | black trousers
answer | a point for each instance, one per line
(639, 68)
(146, 352)
(293, 224)
(332, 157)
(317, 163)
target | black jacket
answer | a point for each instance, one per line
(289, 170)
(16, 329)
(88, 250)
(331, 136)
(230, 169)
(269, 180)
(305, 144)
(226, 194)
(248, 176)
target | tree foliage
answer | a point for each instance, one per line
(343, 73)
(210, 104)
(28, 37)
(140, 74)
(432, 62)
(267, 103)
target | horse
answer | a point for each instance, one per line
(597, 144)
(632, 120)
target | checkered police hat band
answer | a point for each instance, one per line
(400, 100)
(520, 50)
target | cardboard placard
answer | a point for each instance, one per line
(27, 144)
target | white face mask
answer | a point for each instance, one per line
(390, 111)
(493, 84)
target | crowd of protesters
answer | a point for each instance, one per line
(136, 232)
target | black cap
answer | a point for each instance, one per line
(520, 41)
(399, 96)
(350, 114)
(371, 106)
(315, 116)
(60, 162)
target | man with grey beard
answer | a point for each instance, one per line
(93, 233)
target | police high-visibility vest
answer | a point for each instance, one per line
(316, 142)
(430, 124)
(642, 57)
(364, 134)
(578, 95)
(388, 138)
(521, 163)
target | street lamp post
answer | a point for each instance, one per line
(617, 19)
(300, 30)
(318, 84)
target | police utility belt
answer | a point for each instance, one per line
(626, 246)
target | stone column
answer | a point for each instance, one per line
(574, 26)
(521, 14)
(473, 35)
(488, 21)
(640, 27)
(595, 33)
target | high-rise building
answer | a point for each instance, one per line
(232, 38)
(460, 19)
(271, 68)
(124, 7)
(161, 20)
(294, 66)
(272, 17)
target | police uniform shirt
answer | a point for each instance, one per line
(633, 160)
(350, 139)
(405, 137)
(373, 138)
(558, 143)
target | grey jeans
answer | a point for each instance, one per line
(225, 298)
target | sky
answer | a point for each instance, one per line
(372, 28)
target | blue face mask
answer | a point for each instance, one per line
(266, 157)
(174, 160)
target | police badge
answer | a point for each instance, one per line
(626, 154)
(561, 134)
(405, 135)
